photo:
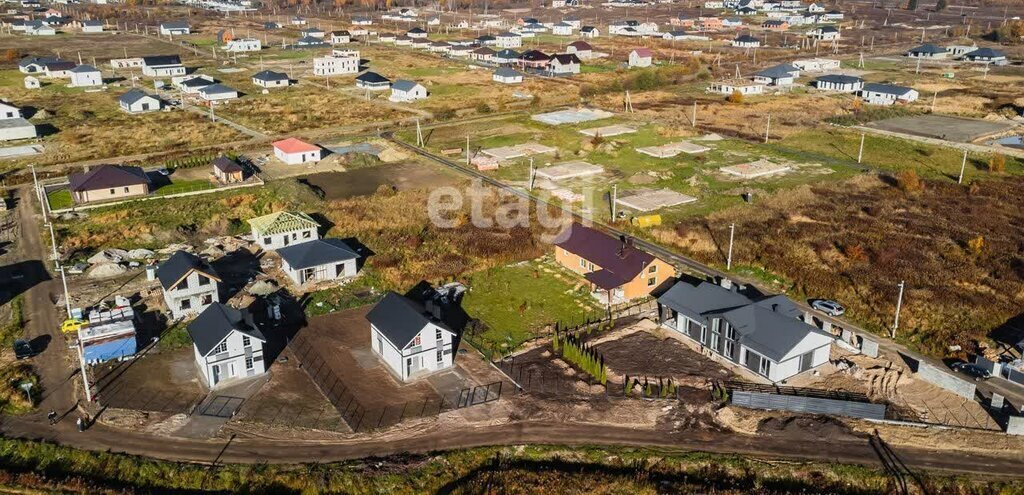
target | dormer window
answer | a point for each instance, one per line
(204, 280)
(416, 341)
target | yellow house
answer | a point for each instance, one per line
(614, 267)
(108, 182)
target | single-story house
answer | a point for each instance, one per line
(746, 41)
(310, 42)
(411, 340)
(775, 25)
(176, 28)
(824, 33)
(340, 37)
(839, 82)
(590, 32)
(107, 182)
(318, 260)
(162, 66)
(641, 57)
(227, 170)
(482, 54)
(507, 56)
(243, 45)
(507, 76)
(616, 270)
(927, 50)
(283, 228)
(886, 94)
(372, 81)
(191, 84)
(816, 64)
(405, 91)
(986, 55)
(59, 69)
(227, 345)
(779, 75)
(741, 86)
(562, 29)
(189, 284)
(8, 111)
(16, 128)
(271, 79)
(85, 76)
(293, 151)
(767, 336)
(138, 101)
(564, 64)
(534, 59)
(314, 32)
(416, 33)
(217, 92)
(94, 26)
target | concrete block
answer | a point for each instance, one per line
(997, 401)
(826, 326)
(868, 347)
(1015, 376)
(1015, 425)
(848, 336)
(946, 380)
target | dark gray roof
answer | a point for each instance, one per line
(927, 48)
(198, 82)
(310, 40)
(839, 79)
(214, 89)
(161, 60)
(778, 71)
(226, 164)
(178, 265)
(216, 322)
(316, 253)
(83, 69)
(506, 72)
(696, 300)
(269, 75)
(372, 77)
(92, 23)
(15, 123)
(746, 38)
(566, 58)
(400, 319)
(890, 89)
(175, 25)
(27, 61)
(132, 96)
(107, 176)
(507, 54)
(985, 53)
(404, 85)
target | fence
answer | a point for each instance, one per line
(360, 418)
(812, 405)
(549, 383)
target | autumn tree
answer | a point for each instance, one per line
(735, 97)
(997, 163)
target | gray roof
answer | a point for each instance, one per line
(92, 23)
(985, 53)
(506, 72)
(316, 253)
(15, 123)
(175, 25)
(839, 79)
(84, 69)
(269, 75)
(400, 319)
(770, 326)
(927, 48)
(157, 60)
(404, 85)
(133, 95)
(178, 265)
(216, 322)
(198, 82)
(107, 176)
(746, 38)
(778, 71)
(890, 89)
(214, 89)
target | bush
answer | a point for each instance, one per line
(444, 113)
(976, 245)
(909, 182)
(735, 97)
(997, 163)
(483, 107)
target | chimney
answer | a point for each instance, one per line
(775, 308)
(725, 283)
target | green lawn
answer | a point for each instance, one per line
(517, 301)
(183, 187)
(59, 199)
(368, 288)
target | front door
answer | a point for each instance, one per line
(806, 360)
(216, 374)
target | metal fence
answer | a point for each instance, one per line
(360, 418)
(811, 405)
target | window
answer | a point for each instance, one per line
(703, 334)
(204, 280)
(246, 341)
(651, 282)
(126, 189)
(416, 341)
(714, 341)
(295, 236)
(307, 234)
(437, 335)
(184, 284)
(715, 322)
(266, 240)
(248, 363)
(728, 349)
(222, 347)
(440, 355)
(766, 366)
(653, 269)
(111, 191)
(186, 304)
(730, 332)
(207, 299)
(583, 263)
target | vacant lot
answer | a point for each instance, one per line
(951, 244)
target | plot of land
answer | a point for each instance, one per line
(648, 354)
(756, 169)
(364, 181)
(648, 200)
(943, 127)
(673, 149)
(608, 131)
(572, 116)
(518, 151)
(569, 170)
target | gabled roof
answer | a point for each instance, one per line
(746, 38)
(161, 60)
(217, 88)
(535, 56)
(643, 52)
(293, 145)
(778, 71)
(107, 176)
(216, 323)
(372, 77)
(198, 82)
(587, 29)
(483, 50)
(507, 72)
(416, 30)
(890, 89)
(281, 222)
(507, 34)
(84, 69)
(404, 85)
(175, 25)
(316, 253)
(269, 75)
(310, 40)
(133, 95)
(59, 65)
(400, 319)
(226, 165)
(581, 46)
(92, 23)
(507, 53)
(565, 58)
(340, 33)
(179, 265)
(27, 61)
(620, 262)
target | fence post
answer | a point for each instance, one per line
(379, 420)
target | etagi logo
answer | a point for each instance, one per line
(446, 204)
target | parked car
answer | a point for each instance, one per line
(972, 370)
(828, 307)
(23, 349)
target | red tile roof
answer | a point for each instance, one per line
(292, 145)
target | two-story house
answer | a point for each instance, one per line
(227, 345)
(410, 337)
(616, 270)
(283, 228)
(190, 284)
(766, 335)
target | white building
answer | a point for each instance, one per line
(162, 66)
(319, 260)
(816, 64)
(824, 33)
(92, 26)
(746, 41)
(887, 94)
(562, 29)
(564, 64)
(216, 93)
(744, 87)
(641, 57)
(406, 91)
(189, 284)
(283, 228)
(293, 151)
(270, 79)
(508, 40)
(138, 101)
(839, 82)
(340, 37)
(227, 345)
(506, 75)
(85, 76)
(410, 338)
(337, 63)
(175, 28)
(243, 45)
(8, 111)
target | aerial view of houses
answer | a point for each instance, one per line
(725, 246)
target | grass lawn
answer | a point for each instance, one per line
(516, 301)
(59, 199)
(366, 289)
(184, 186)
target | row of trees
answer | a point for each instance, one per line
(581, 355)
(662, 389)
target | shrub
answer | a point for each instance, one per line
(483, 107)
(976, 245)
(997, 163)
(909, 182)
(735, 97)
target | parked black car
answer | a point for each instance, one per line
(972, 370)
(23, 349)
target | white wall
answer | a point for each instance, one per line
(278, 241)
(426, 351)
(232, 364)
(323, 272)
(297, 158)
(193, 293)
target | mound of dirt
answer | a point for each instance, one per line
(105, 270)
(821, 428)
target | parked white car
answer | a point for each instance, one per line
(828, 307)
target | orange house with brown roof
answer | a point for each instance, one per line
(614, 267)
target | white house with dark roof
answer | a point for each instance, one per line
(928, 51)
(986, 55)
(508, 40)
(319, 260)
(372, 81)
(85, 76)
(590, 32)
(270, 79)
(778, 75)
(175, 28)
(824, 33)
(340, 37)
(887, 94)
(283, 228)
(766, 335)
(216, 93)
(506, 75)
(405, 91)
(138, 101)
(189, 283)
(839, 82)
(564, 64)
(162, 66)
(227, 345)
(746, 41)
(410, 338)
(94, 26)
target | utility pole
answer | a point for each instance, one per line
(899, 305)
(767, 128)
(963, 165)
(532, 174)
(694, 120)
(64, 282)
(615, 195)
(728, 258)
(419, 134)
(467, 149)
(860, 152)
(81, 363)
(53, 243)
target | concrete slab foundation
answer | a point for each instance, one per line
(648, 200)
